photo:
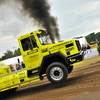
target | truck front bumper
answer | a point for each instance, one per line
(76, 58)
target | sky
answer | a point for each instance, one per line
(75, 18)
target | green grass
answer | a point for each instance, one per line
(88, 62)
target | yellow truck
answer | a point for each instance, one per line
(41, 58)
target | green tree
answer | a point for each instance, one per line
(8, 54)
(88, 38)
(17, 52)
(98, 49)
(0, 58)
(91, 37)
(97, 36)
(3, 58)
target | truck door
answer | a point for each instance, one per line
(31, 53)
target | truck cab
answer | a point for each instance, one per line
(39, 52)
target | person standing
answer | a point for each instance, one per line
(88, 46)
(22, 64)
(98, 43)
(27, 45)
(18, 67)
(83, 47)
(12, 68)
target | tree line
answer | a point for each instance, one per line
(10, 54)
(91, 37)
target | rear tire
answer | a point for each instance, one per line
(56, 72)
(12, 90)
(8, 92)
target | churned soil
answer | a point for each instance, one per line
(81, 84)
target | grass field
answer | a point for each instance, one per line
(88, 62)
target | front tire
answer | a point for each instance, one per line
(57, 72)
(70, 68)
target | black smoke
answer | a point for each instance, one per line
(40, 11)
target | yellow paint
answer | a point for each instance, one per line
(34, 71)
(72, 60)
(94, 45)
(13, 80)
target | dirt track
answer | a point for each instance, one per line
(81, 84)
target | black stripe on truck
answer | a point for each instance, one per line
(69, 45)
(78, 45)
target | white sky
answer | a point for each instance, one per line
(75, 18)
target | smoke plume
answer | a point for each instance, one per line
(40, 11)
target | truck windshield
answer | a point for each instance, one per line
(44, 39)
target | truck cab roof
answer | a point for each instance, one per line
(31, 33)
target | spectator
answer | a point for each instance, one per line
(27, 45)
(12, 68)
(18, 67)
(83, 47)
(22, 64)
(88, 46)
(98, 43)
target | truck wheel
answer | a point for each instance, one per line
(56, 72)
(13, 90)
(70, 68)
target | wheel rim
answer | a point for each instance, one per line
(56, 73)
